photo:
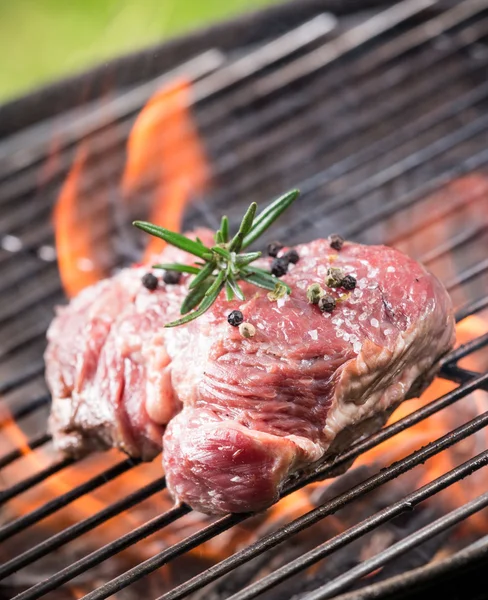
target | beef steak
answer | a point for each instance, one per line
(240, 415)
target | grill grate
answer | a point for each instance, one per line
(370, 123)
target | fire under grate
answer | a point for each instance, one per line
(371, 116)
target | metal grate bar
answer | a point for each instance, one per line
(209, 69)
(29, 482)
(103, 553)
(456, 516)
(34, 145)
(467, 275)
(59, 502)
(454, 243)
(443, 567)
(35, 442)
(30, 371)
(411, 198)
(71, 533)
(471, 308)
(351, 40)
(362, 528)
(387, 175)
(295, 526)
(24, 411)
(465, 349)
(369, 119)
(459, 375)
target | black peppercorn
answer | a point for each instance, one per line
(273, 248)
(150, 281)
(172, 277)
(279, 266)
(349, 282)
(336, 241)
(235, 318)
(327, 303)
(291, 256)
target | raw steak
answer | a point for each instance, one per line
(242, 415)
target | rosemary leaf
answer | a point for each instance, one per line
(204, 272)
(222, 252)
(205, 304)
(235, 287)
(221, 267)
(177, 267)
(260, 281)
(244, 228)
(195, 296)
(263, 276)
(219, 281)
(229, 292)
(268, 216)
(243, 260)
(224, 229)
(176, 239)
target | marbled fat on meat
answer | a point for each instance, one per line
(239, 416)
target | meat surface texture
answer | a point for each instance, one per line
(241, 415)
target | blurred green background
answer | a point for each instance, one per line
(42, 40)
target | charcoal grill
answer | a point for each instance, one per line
(370, 114)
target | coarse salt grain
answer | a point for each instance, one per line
(346, 337)
(390, 270)
(362, 283)
(374, 323)
(260, 325)
(337, 321)
(282, 301)
(363, 316)
(389, 331)
(313, 334)
(302, 284)
(357, 347)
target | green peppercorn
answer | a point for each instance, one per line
(334, 277)
(314, 293)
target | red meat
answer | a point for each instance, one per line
(242, 415)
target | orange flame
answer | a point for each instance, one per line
(164, 150)
(164, 154)
(78, 265)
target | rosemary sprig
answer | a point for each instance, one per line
(223, 265)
